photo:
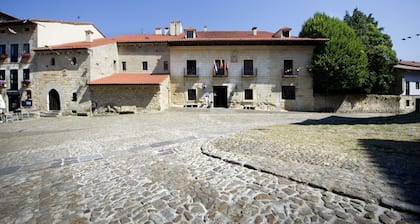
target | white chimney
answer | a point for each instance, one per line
(89, 35)
(172, 28)
(158, 31)
(166, 32)
(178, 27)
(205, 29)
(254, 31)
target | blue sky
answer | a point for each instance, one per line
(399, 18)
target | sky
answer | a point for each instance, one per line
(399, 18)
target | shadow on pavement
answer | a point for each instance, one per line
(399, 162)
(337, 120)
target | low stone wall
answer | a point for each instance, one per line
(144, 97)
(357, 103)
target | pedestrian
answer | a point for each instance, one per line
(2, 109)
(93, 106)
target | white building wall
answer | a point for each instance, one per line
(53, 33)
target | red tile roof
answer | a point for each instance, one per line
(408, 65)
(131, 79)
(202, 37)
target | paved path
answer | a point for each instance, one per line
(148, 168)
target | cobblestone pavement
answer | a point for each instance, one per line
(148, 168)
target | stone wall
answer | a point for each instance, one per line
(144, 97)
(134, 54)
(357, 103)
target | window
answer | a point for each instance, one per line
(144, 65)
(407, 88)
(74, 97)
(248, 94)
(190, 34)
(417, 85)
(2, 49)
(26, 49)
(192, 94)
(288, 92)
(407, 103)
(52, 62)
(288, 67)
(2, 74)
(124, 66)
(165, 65)
(14, 79)
(28, 94)
(219, 67)
(248, 67)
(191, 67)
(74, 61)
(27, 29)
(26, 75)
(14, 48)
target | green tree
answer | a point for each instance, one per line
(378, 48)
(339, 66)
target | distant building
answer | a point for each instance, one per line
(18, 38)
(409, 72)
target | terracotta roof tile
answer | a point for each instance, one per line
(131, 79)
(203, 36)
(410, 63)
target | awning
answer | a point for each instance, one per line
(131, 79)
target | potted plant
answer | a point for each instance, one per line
(26, 55)
(3, 83)
(26, 82)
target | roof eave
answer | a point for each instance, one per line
(247, 42)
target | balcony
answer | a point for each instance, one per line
(249, 73)
(291, 73)
(191, 72)
(220, 73)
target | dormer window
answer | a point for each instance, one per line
(190, 33)
(283, 32)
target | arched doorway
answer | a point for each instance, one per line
(54, 99)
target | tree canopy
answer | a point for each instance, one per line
(340, 66)
(378, 48)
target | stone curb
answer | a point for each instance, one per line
(282, 169)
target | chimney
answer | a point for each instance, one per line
(254, 31)
(158, 31)
(88, 35)
(172, 28)
(178, 27)
(205, 28)
(166, 31)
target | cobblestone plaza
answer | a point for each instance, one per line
(149, 168)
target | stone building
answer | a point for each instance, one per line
(18, 38)
(242, 69)
(178, 67)
(408, 73)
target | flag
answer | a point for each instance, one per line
(11, 30)
(215, 67)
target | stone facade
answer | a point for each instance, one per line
(19, 64)
(143, 97)
(266, 83)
